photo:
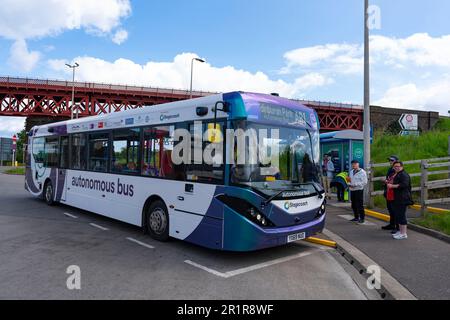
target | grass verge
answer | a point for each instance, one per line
(18, 171)
(438, 222)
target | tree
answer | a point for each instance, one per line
(21, 141)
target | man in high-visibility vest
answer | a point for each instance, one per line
(340, 182)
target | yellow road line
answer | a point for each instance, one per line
(378, 215)
(430, 209)
(322, 242)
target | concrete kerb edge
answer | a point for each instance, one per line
(390, 289)
(429, 232)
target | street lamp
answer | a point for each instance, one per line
(76, 65)
(366, 95)
(192, 70)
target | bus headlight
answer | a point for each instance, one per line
(322, 209)
(247, 210)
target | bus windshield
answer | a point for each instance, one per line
(297, 169)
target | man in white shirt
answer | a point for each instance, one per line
(328, 168)
(357, 183)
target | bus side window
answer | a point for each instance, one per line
(38, 150)
(126, 146)
(157, 154)
(51, 151)
(79, 152)
(211, 167)
(98, 152)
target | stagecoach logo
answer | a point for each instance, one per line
(289, 205)
(169, 117)
(91, 126)
(75, 128)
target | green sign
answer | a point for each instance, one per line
(358, 152)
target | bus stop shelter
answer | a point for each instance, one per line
(343, 147)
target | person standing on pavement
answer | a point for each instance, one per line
(402, 198)
(328, 168)
(340, 181)
(393, 226)
(357, 182)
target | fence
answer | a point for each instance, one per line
(425, 183)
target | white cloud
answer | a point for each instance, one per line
(176, 74)
(343, 58)
(434, 96)
(420, 50)
(27, 19)
(311, 81)
(11, 125)
(409, 72)
(21, 58)
(120, 36)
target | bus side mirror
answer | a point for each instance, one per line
(225, 108)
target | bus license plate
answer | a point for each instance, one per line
(296, 237)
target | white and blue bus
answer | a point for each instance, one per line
(122, 166)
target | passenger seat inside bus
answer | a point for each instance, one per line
(166, 165)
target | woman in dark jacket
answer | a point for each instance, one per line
(402, 198)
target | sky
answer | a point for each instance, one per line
(301, 49)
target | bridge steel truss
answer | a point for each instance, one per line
(49, 98)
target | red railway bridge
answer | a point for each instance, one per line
(35, 98)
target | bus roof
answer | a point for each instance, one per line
(253, 106)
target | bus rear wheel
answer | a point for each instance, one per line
(48, 194)
(158, 221)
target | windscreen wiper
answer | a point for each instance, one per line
(265, 203)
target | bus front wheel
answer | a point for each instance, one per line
(48, 193)
(158, 221)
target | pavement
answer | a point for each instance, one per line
(39, 243)
(421, 263)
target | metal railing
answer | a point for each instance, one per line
(144, 89)
(99, 86)
(425, 183)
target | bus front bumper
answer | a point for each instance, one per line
(242, 235)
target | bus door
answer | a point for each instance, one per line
(61, 183)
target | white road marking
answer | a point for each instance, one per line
(70, 215)
(346, 217)
(234, 273)
(99, 227)
(350, 217)
(141, 243)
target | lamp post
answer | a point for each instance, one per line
(192, 71)
(73, 67)
(367, 155)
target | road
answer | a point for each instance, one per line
(117, 261)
